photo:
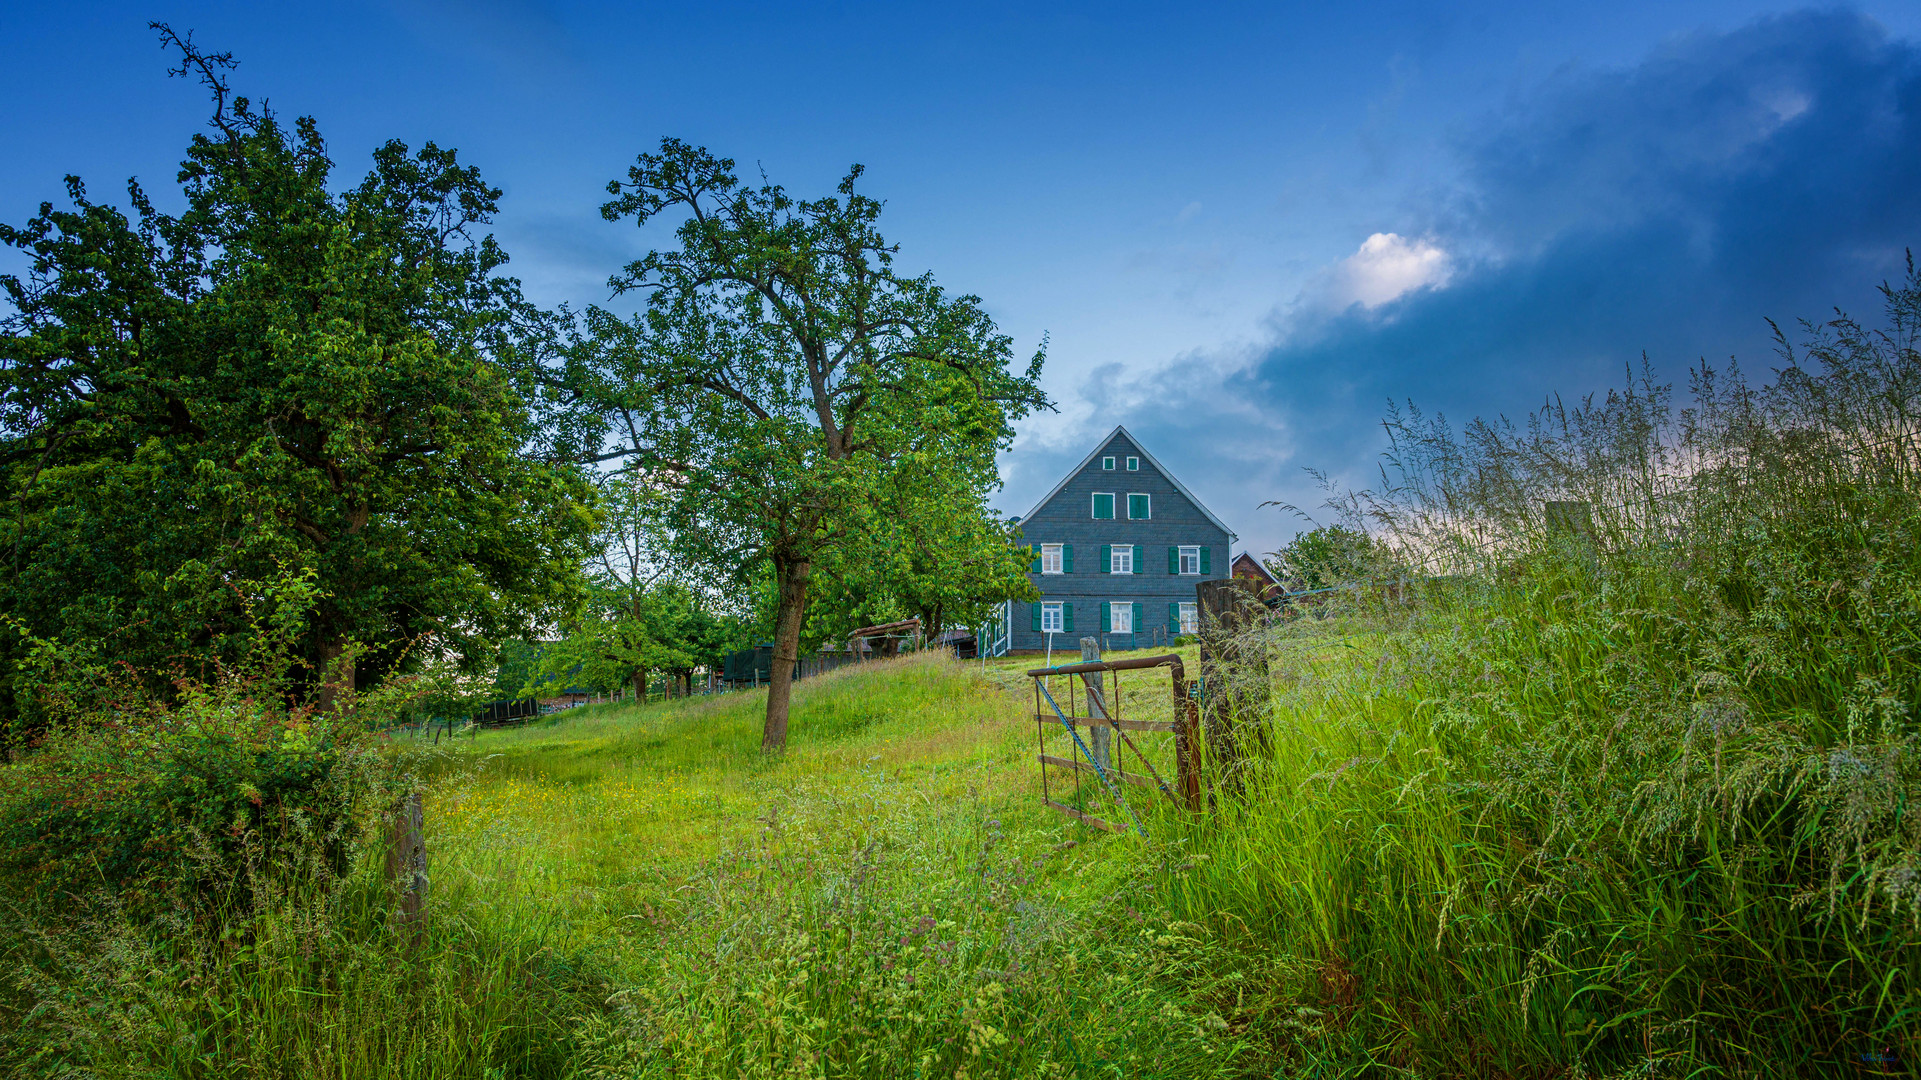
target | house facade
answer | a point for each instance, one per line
(1118, 547)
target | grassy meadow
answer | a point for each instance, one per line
(637, 891)
(1424, 874)
(1603, 765)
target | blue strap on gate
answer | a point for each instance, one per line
(1085, 752)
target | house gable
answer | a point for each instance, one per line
(1117, 552)
(1120, 444)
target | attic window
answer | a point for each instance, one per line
(1139, 507)
(1133, 464)
(1103, 506)
(1107, 463)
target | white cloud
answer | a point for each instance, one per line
(1387, 266)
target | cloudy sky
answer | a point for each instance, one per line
(1244, 229)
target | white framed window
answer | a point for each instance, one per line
(1190, 618)
(1140, 506)
(1121, 615)
(1120, 559)
(1107, 463)
(1103, 506)
(1051, 558)
(1133, 464)
(1051, 621)
(1190, 561)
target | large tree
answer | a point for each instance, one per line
(783, 370)
(280, 375)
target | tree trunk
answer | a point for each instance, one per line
(336, 675)
(792, 577)
(640, 687)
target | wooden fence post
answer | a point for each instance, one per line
(1100, 738)
(407, 866)
(1236, 695)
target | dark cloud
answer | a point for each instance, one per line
(1670, 208)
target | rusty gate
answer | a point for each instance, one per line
(1093, 709)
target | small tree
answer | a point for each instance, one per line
(784, 374)
(1327, 556)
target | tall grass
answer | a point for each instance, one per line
(1628, 793)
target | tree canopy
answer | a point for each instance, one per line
(931, 549)
(644, 612)
(280, 375)
(784, 374)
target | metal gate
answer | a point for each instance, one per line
(1101, 705)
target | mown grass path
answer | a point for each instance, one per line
(886, 897)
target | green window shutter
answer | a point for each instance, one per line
(1037, 617)
(1107, 558)
(1104, 506)
(1140, 560)
(1173, 619)
(1037, 560)
(1207, 561)
(1139, 614)
(1107, 617)
(1067, 618)
(1173, 561)
(1067, 558)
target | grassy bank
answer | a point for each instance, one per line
(638, 892)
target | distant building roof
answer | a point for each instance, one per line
(1246, 566)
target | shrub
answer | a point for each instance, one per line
(161, 800)
(164, 802)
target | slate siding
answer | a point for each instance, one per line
(1067, 517)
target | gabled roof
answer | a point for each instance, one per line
(1151, 460)
(1254, 565)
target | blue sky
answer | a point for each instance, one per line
(1245, 228)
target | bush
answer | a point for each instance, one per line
(161, 801)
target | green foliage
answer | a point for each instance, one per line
(514, 669)
(1329, 555)
(931, 548)
(152, 800)
(645, 610)
(784, 376)
(280, 374)
(1624, 800)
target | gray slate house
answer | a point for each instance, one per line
(1118, 547)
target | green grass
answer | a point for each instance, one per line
(638, 891)
(1622, 796)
